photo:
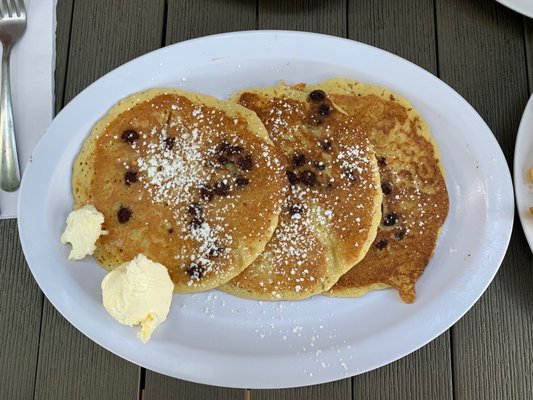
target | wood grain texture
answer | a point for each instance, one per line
(187, 19)
(71, 366)
(104, 35)
(322, 16)
(425, 374)
(20, 316)
(64, 10)
(484, 60)
(396, 27)
(163, 387)
(528, 31)
(338, 390)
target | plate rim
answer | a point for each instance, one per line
(518, 170)
(519, 8)
(506, 175)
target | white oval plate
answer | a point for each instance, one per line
(523, 162)
(218, 339)
(524, 7)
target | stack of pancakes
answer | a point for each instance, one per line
(278, 193)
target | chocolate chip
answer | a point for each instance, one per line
(170, 142)
(325, 144)
(242, 181)
(319, 165)
(196, 223)
(195, 209)
(386, 188)
(171, 230)
(298, 160)
(232, 150)
(295, 209)
(130, 177)
(196, 271)
(129, 136)
(324, 109)
(292, 177)
(221, 188)
(124, 214)
(317, 95)
(246, 162)
(390, 219)
(307, 177)
(350, 175)
(399, 235)
(206, 193)
(215, 250)
(382, 161)
(382, 244)
(222, 146)
(223, 160)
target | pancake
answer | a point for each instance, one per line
(415, 199)
(331, 213)
(192, 182)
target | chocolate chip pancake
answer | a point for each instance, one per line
(191, 182)
(331, 213)
(415, 199)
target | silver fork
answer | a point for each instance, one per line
(12, 26)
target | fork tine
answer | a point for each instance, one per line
(13, 9)
(21, 8)
(9, 7)
(5, 9)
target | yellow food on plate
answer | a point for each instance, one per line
(138, 292)
(84, 227)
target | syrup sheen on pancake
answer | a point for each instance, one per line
(190, 181)
(330, 215)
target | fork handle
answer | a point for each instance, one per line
(9, 165)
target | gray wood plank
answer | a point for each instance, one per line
(64, 10)
(20, 317)
(322, 16)
(482, 56)
(107, 34)
(338, 390)
(71, 366)
(393, 26)
(104, 35)
(425, 374)
(528, 29)
(163, 387)
(187, 19)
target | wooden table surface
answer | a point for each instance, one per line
(480, 48)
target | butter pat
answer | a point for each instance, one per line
(138, 292)
(84, 227)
